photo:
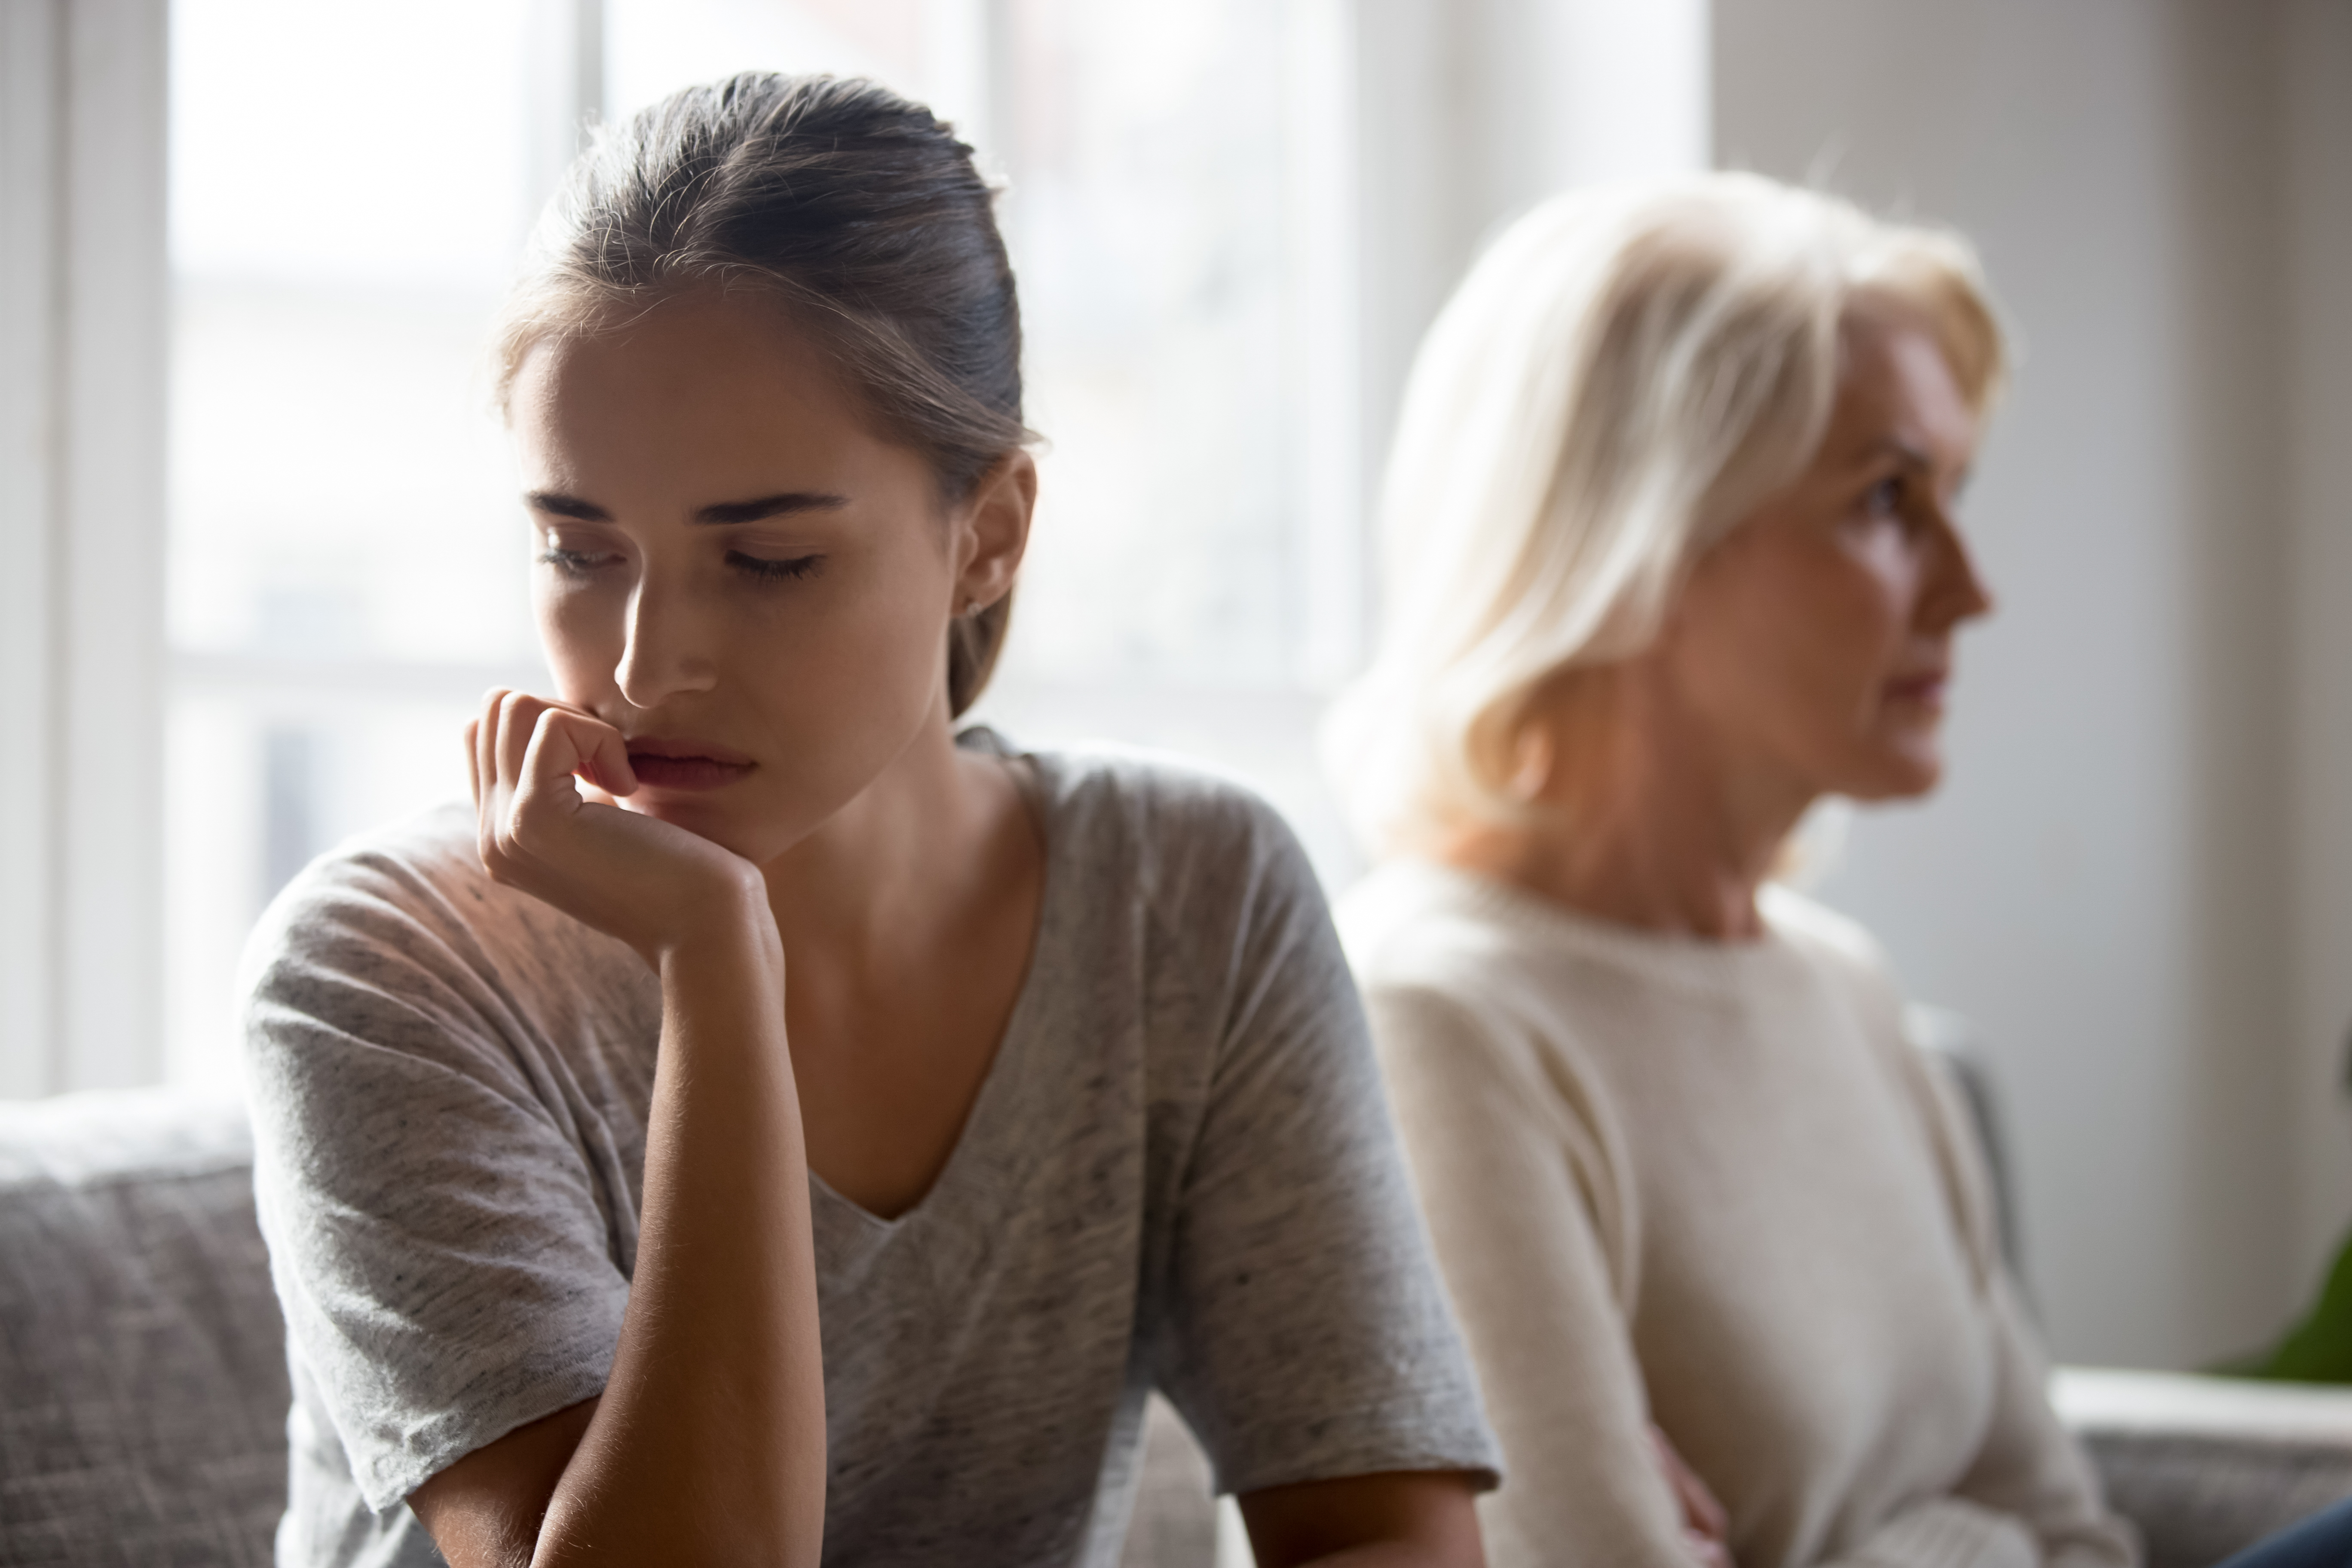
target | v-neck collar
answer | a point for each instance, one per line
(989, 1158)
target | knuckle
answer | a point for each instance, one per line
(524, 829)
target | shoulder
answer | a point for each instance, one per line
(412, 892)
(1842, 955)
(397, 943)
(1436, 943)
(1833, 942)
(1458, 981)
(1410, 925)
(1169, 833)
(1845, 952)
(382, 894)
(1491, 1021)
(400, 867)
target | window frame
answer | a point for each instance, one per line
(84, 307)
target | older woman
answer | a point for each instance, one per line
(1673, 555)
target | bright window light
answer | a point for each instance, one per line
(351, 187)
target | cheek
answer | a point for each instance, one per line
(1798, 643)
(862, 666)
(1847, 634)
(581, 635)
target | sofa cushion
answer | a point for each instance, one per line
(142, 1376)
(2207, 1466)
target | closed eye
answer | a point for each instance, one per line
(575, 562)
(762, 569)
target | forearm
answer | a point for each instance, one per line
(1945, 1532)
(709, 1444)
(1397, 1519)
(1400, 1554)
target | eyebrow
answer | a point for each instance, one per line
(1911, 456)
(787, 503)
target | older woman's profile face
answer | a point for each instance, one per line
(1815, 641)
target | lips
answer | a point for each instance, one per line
(1926, 686)
(667, 762)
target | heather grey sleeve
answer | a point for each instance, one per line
(1308, 1338)
(447, 1265)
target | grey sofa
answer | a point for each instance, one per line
(2207, 1465)
(143, 1374)
(143, 1387)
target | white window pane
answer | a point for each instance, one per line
(263, 785)
(653, 47)
(337, 484)
(348, 200)
(350, 189)
(312, 141)
(1146, 147)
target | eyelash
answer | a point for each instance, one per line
(766, 571)
(571, 562)
(580, 564)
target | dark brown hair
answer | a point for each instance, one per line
(857, 212)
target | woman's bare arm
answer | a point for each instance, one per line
(1405, 1518)
(708, 1445)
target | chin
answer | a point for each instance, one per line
(1903, 775)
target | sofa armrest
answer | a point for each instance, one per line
(2207, 1465)
(142, 1367)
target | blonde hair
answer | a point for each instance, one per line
(1625, 374)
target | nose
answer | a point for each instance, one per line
(665, 649)
(1956, 592)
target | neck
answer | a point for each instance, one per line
(888, 868)
(1644, 818)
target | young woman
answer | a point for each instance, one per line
(771, 1126)
(1674, 554)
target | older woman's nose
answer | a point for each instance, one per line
(665, 651)
(1956, 591)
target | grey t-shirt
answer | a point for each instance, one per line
(1179, 1173)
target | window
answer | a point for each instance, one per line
(1219, 310)
(350, 189)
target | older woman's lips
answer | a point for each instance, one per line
(686, 765)
(1922, 689)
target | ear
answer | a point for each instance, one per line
(991, 529)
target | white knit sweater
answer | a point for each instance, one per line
(1712, 1185)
